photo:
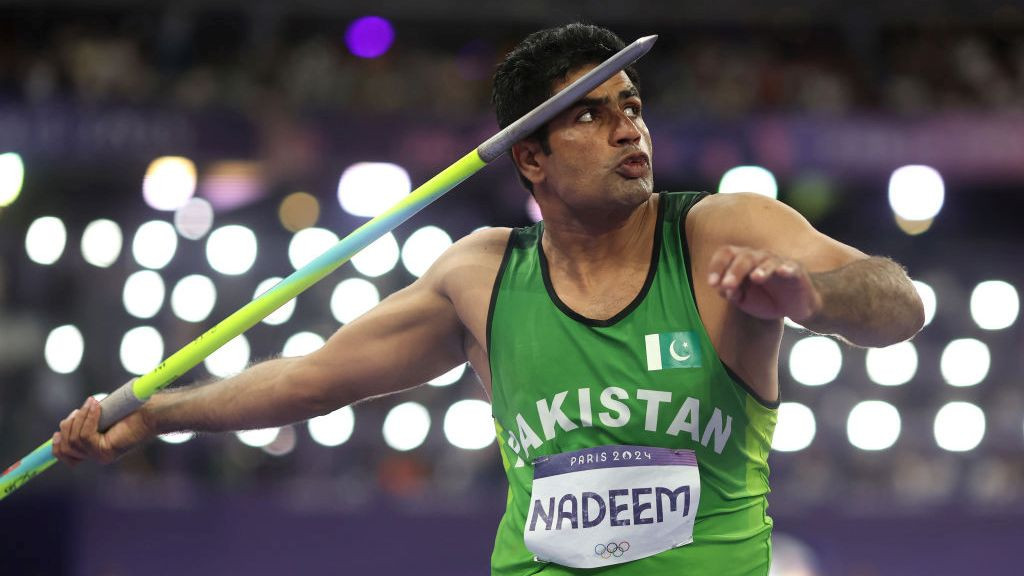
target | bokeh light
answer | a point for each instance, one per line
(301, 344)
(299, 211)
(965, 362)
(12, 177)
(176, 437)
(64, 349)
(282, 314)
(231, 249)
(795, 428)
(307, 244)
(815, 360)
(155, 244)
(229, 359)
(423, 247)
(928, 300)
(873, 425)
(959, 426)
(352, 298)
(333, 429)
(142, 349)
(749, 179)
(369, 37)
(379, 258)
(450, 377)
(45, 240)
(193, 298)
(468, 424)
(406, 426)
(169, 183)
(994, 305)
(916, 192)
(893, 365)
(258, 438)
(369, 188)
(102, 241)
(143, 294)
(194, 219)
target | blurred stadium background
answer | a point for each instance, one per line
(161, 162)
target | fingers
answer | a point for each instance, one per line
(78, 438)
(731, 266)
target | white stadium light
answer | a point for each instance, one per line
(142, 349)
(994, 305)
(795, 428)
(12, 177)
(333, 429)
(916, 192)
(406, 426)
(229, 359)
(154, 244)
(64, 349)
(309, 243)
(379, 258)
(369, 188)
(893, 365)
(815, 360)
(959, 426)
(873, 425)
(194, 219)
(423, 247)
(965, 362)
(749, 179)
(231, 249)
(301, 344)
(928, 299)
(450, 377)
(101, 243)
(468, 424)
(45, 240)
(143, 294)
(193, 298)
(258, 438)
(176, 437)
(169, 183)
(352, 298)
(282, 314)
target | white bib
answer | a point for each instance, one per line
(611, 504)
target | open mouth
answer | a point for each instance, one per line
(634, 166)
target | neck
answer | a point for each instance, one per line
(581, 246)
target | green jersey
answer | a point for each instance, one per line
(647, 377)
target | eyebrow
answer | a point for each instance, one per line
(594, 102)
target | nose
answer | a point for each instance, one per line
(626, 130)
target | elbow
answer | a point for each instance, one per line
(314, 394)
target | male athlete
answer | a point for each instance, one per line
(628, 343)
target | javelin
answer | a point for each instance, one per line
(129, 397)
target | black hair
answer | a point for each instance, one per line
(527, 75)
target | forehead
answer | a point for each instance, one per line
(615, 85)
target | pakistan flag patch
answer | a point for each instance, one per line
(672, 350)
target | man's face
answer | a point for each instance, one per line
(600, 148)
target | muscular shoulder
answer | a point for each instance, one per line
(472, 262)
(744, 218)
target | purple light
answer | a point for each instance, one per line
(369, 36)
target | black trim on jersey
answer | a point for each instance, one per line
(693, 293)
(655, 255)
(494, 291)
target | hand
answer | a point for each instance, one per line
(763, 284)
(79, 437)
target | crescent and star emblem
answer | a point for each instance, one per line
(686, 354)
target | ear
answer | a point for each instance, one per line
(526, 154)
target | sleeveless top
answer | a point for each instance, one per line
(648, 376)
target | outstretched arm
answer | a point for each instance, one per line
(410, 337)
(771, 263)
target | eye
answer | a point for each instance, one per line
(586, 116)
(633, 110)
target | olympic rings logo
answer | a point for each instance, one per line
(615, 549)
